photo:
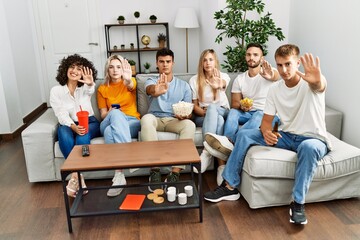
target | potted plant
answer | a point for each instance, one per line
(153, 18)
(121, 19)
(136, 15)
(133, 66)
(147, 66)
(161, 39)
(233, 22)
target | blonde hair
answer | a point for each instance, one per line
(107, 65)
(201, 74)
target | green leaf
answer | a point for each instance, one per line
(233, 24)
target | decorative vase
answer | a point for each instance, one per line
(161, 43)
(133, 70)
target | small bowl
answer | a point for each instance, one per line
(183, 109)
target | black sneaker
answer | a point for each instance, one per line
(155, 177)
(222, 193)
(297, 213)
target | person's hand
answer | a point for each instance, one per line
(87, 76)
(204, 111)
(161, 85)
(215, 81)
(80, 130)
(127, 73)
(244, 109)
(270, 137)
(266, 70)
(312, 70)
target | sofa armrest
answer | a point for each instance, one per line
(333, 119)
(38, 143)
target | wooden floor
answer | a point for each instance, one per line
(36, 211)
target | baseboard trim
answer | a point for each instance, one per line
(26, 120)
(35, 114)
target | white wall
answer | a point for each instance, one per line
(18, 67)
(330, 29)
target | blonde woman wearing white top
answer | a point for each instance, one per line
(211, 105)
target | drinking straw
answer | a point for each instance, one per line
(80, 108)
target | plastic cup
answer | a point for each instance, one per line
(182, 198)
(188, 190)
(171, 196)
(83, 119)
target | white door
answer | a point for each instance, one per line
(67, 27)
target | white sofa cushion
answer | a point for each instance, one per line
(271, 162)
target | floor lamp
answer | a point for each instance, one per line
(186, 18)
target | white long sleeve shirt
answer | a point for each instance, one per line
(66, 106)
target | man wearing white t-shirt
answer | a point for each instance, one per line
(299, 101)
(253, 84)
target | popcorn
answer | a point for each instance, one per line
(246, 102)
(182, 108)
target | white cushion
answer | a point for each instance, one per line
(271, 162)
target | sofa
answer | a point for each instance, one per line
(267, 176)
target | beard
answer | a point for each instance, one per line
(252, 64)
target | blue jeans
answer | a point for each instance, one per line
(117, 127)
(248, 120)
(236, 117)
(309, 152)
(68, 138)
(214, 120)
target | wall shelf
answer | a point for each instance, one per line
(137, 49)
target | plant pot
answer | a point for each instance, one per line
(147, 70)
(161, 44)
(121, 21)
(133, 70)
(153, 20)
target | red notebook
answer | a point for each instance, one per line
(132, 202)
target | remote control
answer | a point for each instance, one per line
(85, 150)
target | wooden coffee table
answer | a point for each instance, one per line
(129, 155)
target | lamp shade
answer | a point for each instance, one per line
(186, 18)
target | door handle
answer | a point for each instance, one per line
(93, 43)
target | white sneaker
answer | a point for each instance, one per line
(205, 159)
(219, 178)
(219, 143)
(214, 152)
(119, 179)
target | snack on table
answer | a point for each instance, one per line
(158, 200)
(246, 102)
(159, 191)
(151, 196)
(182, 108)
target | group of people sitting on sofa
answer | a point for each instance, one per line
(297, 101)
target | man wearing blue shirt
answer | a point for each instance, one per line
(163, 92)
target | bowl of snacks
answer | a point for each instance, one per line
(183, 109)
(246, 102)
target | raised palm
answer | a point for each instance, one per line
(87, 76)
(162, 85)
(127, 73)
(266, 70)
(312, 69)
(214, 81)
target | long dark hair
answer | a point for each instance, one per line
(69, 61)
